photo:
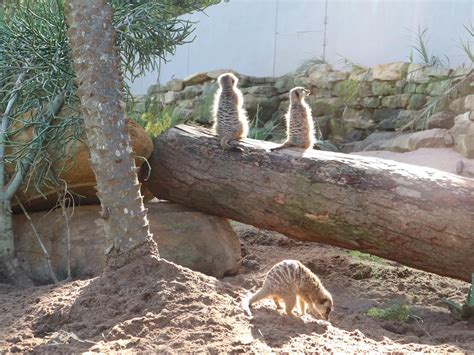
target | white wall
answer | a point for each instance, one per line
(240, 34)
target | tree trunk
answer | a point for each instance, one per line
(99, 79)
(417, 216)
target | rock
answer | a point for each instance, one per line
(365, 89)
(361, 75)
(374, 141)
(437, 88)
(184, 114)
(76, 170)
(469, 102)
(444, 119)
(266, 106)
(209, 88)
(463, 134)
(191, 92)
(156, 89)
(197, 78)
(170, 97)
(398, 120)
(361, 119)
(335, 76)
(417, 74)
(381, 88)
(432, 138)
(175, 85)
(214, 74)
(458, 105)
(330, 106)
(410, 88)
(285, 83)
(416, 102)
(390, 71)
(370, 102)
(192, 239)
(396, 101)
(263, 90)
(318, 68)
(355, 135)
(400, 86)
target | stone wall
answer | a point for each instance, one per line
(348, 106)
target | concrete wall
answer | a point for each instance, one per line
(267, 37)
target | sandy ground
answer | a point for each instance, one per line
(154, 305)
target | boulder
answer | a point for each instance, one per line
(463, 134)
(432, 138)
(390, 71)
(284, 84)
(191, 92)
(192, 239)
(76, 171)
(214, 74)
(416, 102)
(261, 90)
(171, 97)
(265, 106)
(443, 119)
(374, 141)
(360, 119)
(383, 88)
(396, 101)
(175, 85)
(197, 78)
(331, 106)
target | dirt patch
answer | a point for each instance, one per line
(154, 305)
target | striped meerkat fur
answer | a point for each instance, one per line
(291, 281)
(299, 121)
(230, 117)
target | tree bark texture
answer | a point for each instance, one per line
(420, 217)
(99, 80)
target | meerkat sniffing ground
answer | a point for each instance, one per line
(230, 117)
(291, 281)
(299, 121)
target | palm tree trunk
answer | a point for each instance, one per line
(99, 80)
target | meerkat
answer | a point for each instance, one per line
(230, 117)
(299, 121)
(290, 280)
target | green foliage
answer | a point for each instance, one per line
(155, 125)
(466, 44)
(421, 48)
(269, 131)
(347, 90)
(303, 67)
(396, 312)
(34, 45)
(368, 257)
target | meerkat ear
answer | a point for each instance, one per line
(297, 94)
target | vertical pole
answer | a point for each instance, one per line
(325, 30)
(275, 36)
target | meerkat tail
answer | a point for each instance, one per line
(283, 146)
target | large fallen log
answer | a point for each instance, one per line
(420, 217)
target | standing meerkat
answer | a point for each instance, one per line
(299, 121)
(290, 280)
(230, 117)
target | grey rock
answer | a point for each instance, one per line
(175, 85)
(197, 78)
(383, 88)
(191, 92)
(390, 71)
(416, 102)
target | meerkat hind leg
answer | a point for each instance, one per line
(302, 306)
(277, 302)
(290, 302)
